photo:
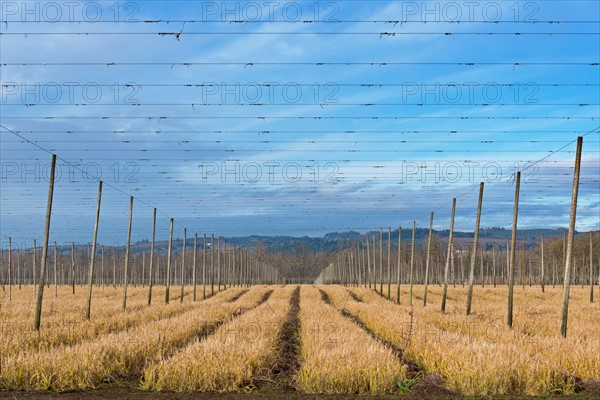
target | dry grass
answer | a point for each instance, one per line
(120, 355)
(229, 360)
(64, 321)
(479, 354)
(475, 355)
(340, 358)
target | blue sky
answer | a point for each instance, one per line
(359, 116)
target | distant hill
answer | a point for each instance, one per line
(333, 241)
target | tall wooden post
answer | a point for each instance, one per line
(183, 264)
(169, 252)
(399, 264)
(564, 248)
(389, 264)
(523, 264)
(494, 265)
(219, 276)
(448, 256)
(150, 267)
(374, 240)
(569, 256)
(194, 270)
(462, 268)
(591, 269)
(474, 251)
(237, 266)
(40, 293)
(452, 267)
(513, 251)
(212, 265)
(127, 249)
(116, 256)
(381, 260)
(481, 267)
(34, 266)
(9, 268)
(55, 270)
(412, 262)
(427, 258)
(19, 268)
(73, 266)
(102, 266)
(359, 265)
(204, 269)
(93, 255)
(369, 276)
(543, 282)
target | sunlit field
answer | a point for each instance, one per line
(318, 339)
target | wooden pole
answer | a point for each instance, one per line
(427, 259)
(55, 270)
(359, 265)
(389, 264)
(513, 251)
(412, 262)
(102, 266)
(452, 267)
(381, 260)
(219, 263)
(474, 251)
(204, 269)
(462, 269)
(19, 267)
(169, 252)
(237, 266)
(127, 249)
(40, 293)
(150, 267)
(494, 265)
(183, 264)
(542, 283)
(73, 266)
(399, 264)
(9, 268)
(523, 264)
(194, 270)
(93, 256)
(369, 276)
(569, 256)
(564, 248)
(374, 262)
(34, 266)
(212, 265)
(116, 256)
(591, 269)
(481, 267)
(448, 255)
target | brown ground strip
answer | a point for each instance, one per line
(288, 347)
(237, 296)
(428, 384)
